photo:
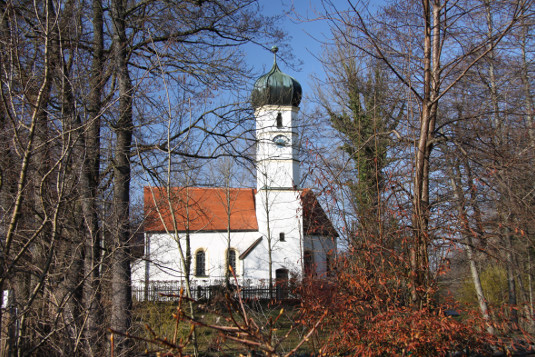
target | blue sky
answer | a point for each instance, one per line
(307, 34)
(305, 39)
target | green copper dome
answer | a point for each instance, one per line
(276, 88)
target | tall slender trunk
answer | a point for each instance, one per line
(493, 86)
(229, 246)
(530, 285)
(185, 256)
(419, 255)
(269, 241)
(523, 294)
(39, 164)
(90, 181)
(526, 81)
(511, 283)
(530, 112)
(497, 123)
(69, 253)
(463, 217)
(121, 298)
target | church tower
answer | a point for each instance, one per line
(276, 97)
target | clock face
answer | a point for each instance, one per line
(281, 141)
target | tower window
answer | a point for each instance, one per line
(282, 238)
(200, 263)
(279, 120)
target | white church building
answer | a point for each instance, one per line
(276, 227)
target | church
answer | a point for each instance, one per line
(268, 235)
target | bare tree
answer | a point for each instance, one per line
(69, 83)
(423, 46)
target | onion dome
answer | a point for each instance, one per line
(276, 88)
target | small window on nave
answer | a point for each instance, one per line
(200, 263)
(231, 260)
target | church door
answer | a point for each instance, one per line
(281, 282)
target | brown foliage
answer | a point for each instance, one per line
(369, 313)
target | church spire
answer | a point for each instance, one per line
(276, 87)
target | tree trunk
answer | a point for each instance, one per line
(497, 122)
(121, 298)
(511, 283)
(90, 181)
(526, 80)
(459, 196)
(419, 252)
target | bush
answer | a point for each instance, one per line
(369, 313)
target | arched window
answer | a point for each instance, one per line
(200, 263)
(279, 120)
(231, 260)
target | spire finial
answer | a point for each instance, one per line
(274, 49)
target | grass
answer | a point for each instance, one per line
(159, 317)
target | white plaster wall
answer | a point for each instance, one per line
(164, 257)
(277, 165)
(283, 208)
(277, 173)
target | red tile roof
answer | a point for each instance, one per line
(199, 209)
(315, 221)
(205, 209)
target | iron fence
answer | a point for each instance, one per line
(170, 291)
